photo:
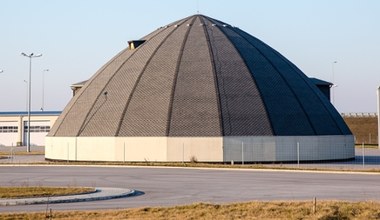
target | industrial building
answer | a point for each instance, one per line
(199, 88)
(14, 127)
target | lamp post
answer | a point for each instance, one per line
(26, 95)
(333, 82)
(30, 56)
(43, 89)
(378, 117)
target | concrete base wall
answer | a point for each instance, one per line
(207, 149)
(284, 148)
(106, 148)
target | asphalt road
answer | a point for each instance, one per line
(174, 186)
(371, 160)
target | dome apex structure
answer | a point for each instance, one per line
(201, 88)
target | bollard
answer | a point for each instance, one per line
(298, 154)
(242, 153)
(183, 153)
(124, 153)
(363, 153)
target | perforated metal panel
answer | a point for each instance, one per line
(243, 111)
(306, 94)
(147, 112)
(282, 105)
(195, 102)
(76, 112)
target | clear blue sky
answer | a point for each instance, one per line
(76, 37)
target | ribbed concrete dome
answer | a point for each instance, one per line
(199, 88)
(199, 77)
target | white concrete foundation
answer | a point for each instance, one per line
(206, 149)
(284, 148)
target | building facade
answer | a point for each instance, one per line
(14, 127)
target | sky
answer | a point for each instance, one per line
(334, 40)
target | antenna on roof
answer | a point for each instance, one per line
(197, 6)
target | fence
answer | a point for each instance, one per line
(299, 155)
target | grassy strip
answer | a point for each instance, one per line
(274, 166)
(208, 165)
(250, 210)
(39, 191)
(8, 153)
(370, 146)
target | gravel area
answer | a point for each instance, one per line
(11, 154)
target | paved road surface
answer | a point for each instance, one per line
(173, 186)
(371, 160)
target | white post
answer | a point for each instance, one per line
(124, 153)
(363, 152)
(242, 153)
(67, 152)
(378, 117)
(298, 154)
(183, 152)
(253, 152)
(12, 153)
(76, 150)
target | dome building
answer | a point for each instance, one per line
(201, 89)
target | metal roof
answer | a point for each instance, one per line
(79, 84)
(321, 82)
(199, 77)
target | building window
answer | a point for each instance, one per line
(8, 129)
(37, 128)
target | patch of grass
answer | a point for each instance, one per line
(8, 153)
(251, 210)
(205, 165)
(40, 191)
(371, 146)
(364, 129)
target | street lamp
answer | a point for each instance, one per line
(333, 81)
(26, 95)
(43, 89)
(30, 56)
(1, 71)
(378, 117)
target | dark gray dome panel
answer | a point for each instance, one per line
(242, 110)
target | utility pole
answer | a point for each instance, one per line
(30, 56)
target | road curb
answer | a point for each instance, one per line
(103, 193)
(354, 172)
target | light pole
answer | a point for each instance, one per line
(333, 82)
(43, 89)
(30, 56)
(378, 117)
(26, 95)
